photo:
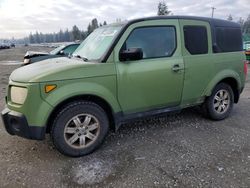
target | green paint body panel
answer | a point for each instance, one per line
(149, 83)
(132, 86)
(34, 108)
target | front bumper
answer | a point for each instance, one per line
(16, 123)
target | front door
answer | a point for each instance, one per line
(156, 81)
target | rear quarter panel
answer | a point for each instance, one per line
(227, 65)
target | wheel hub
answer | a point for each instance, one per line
(221, 101)
(81, 131)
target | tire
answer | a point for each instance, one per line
(216, 107)
(79, 128)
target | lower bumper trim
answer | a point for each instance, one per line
(16, 123)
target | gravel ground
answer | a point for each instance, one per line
(183, 150)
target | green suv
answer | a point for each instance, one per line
(125, 71)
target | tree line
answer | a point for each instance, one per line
(77, 34)
(245, 26)
(64, 36)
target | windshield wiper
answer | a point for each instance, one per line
(80, 57)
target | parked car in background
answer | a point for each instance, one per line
(12, 45)
(125, 71)
(4, 46)
(64, 50)
(247, 49)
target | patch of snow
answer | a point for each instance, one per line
(220, 168)
(140, 158)
(92, 171)
(10, 62)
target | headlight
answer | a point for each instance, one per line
(26, 61)
(18, 94)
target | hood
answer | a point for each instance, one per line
(58, 69)
(30, 54)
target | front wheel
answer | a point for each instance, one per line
(219, 105)
(79, 128)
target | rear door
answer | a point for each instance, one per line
(156, 80)
(198, 58)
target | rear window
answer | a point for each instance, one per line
(70, 49)
(228, 39)
(196, 41)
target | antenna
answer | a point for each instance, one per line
(213, 9)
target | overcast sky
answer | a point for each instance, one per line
(19, 17)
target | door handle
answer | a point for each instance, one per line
(176, 68)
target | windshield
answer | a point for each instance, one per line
(58, 49)
(96, 44)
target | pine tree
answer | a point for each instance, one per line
(89, 29)
(230, 18)
(37, 38)
(104, 23)
(241, 22)
(246, 26)
(61, 36)
(163, 9)
(84, 34)
(31, 38)
(67, 35)
(76, 33)
(94, 24)
(42, 38)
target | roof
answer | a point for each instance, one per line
(212, 21)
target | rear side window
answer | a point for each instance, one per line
(228, 39)
(70, 49)
(154, 41)
(196, 41)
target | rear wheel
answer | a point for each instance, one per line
(79, 128)
(219, 105)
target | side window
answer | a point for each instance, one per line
(70, 49)
(155, 42)
(196, 41)
(228, 39)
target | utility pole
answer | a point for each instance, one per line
(213, 9)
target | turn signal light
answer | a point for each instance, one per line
(49, 88)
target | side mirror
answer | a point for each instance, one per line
(131, 54)
(61, 52)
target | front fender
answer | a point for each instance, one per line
(227, 73)
(103, 87)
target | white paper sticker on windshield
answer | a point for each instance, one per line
(109, 33)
